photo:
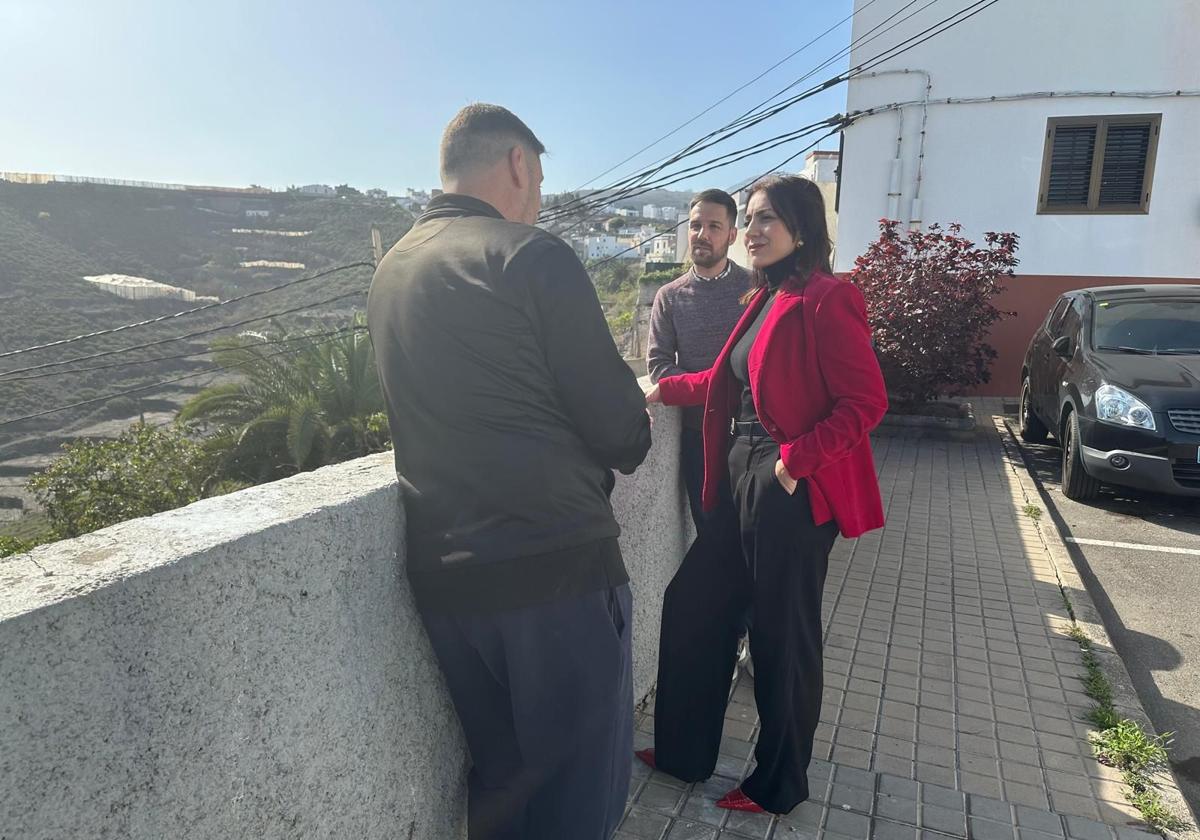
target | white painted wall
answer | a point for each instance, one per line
(983, 162)
(820, 167)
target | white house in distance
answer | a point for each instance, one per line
(1074, 125)
(317, 189)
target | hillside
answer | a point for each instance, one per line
(53, 235)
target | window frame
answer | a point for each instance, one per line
(1054, 316)
(1102, 122)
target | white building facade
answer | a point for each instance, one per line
(1074, 125)
(1021, 162)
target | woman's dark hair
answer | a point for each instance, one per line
(799, 204)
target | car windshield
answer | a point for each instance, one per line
(1147, 325)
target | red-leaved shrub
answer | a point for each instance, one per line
(929, 300)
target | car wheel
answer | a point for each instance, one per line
(1033, 430)
(1076, 483)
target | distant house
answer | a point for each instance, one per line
(606, 246)
(377, 193)
(662, 248)
(601, 247)
(649, 211)
(1074, 126)
(318, 189)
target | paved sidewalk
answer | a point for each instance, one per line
(952, 694)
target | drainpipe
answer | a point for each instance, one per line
(895, 173)
(893, 211)
(914, 213)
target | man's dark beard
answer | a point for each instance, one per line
(708, 261)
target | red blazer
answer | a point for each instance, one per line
(818, 391)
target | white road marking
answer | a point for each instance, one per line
(1166, 549)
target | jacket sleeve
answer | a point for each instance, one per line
(597, 389)
(853, 378)
(661, 343)
(686, 388)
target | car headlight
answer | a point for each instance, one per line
(1116, 406)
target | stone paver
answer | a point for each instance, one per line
(952, 698)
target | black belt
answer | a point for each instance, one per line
(747, 428)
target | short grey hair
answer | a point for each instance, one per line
(479, 135)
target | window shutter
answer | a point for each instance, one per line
(1071, 165)
(1124, 171)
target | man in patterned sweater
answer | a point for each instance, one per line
(694, 314)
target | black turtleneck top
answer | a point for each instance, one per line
(740, 356)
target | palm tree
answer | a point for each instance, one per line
(303, 401)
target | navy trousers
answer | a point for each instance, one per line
(545, 696)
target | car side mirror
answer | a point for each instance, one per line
(1062, 346)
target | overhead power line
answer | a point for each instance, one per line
(776, 168)
(724, 98)
(169, 340)
(758, 115)
(720, 161)
(691, 148)
(207, 351)
(138, 390)
(192, 311)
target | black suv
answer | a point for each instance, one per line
(1114, 374)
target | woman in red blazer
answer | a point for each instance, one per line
(788, 407)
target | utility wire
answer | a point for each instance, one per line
(190, 335)
(151, 387)
(716, 162)
(757, 115)
(776, 168)
(192, 311)
(725, 98)
(754, 110)
(152, 359)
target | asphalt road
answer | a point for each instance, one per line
(1149, 597)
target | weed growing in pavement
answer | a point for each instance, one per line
(1033, 512)
(1075, 633)
(1120, 742)
(1102, 717)
(1126, 747)
(1143, 796)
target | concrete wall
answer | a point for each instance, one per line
(983, 162)
(253, 666)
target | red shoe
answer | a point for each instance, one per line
(735, 800)
(647, 757)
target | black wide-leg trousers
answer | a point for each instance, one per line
(760, 550)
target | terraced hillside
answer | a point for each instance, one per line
(51, 236)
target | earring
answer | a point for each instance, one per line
(799, 244)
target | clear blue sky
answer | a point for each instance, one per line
(233, 92)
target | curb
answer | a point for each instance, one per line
(1087, 616)
(922, 421)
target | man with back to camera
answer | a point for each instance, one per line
(509, 407)
(694, 314)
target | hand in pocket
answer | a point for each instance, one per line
(785, 480)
